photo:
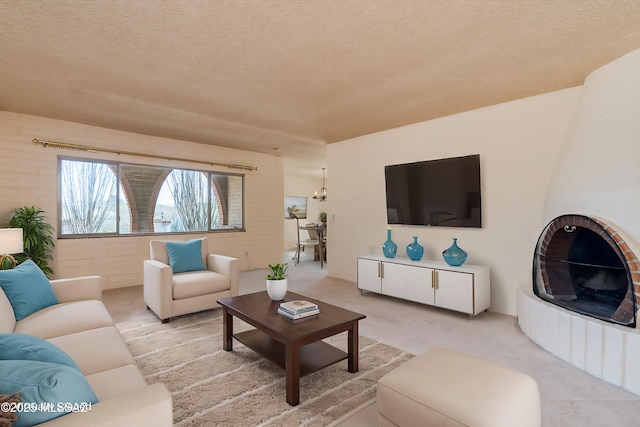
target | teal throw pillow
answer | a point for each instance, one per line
(28, 347)
(185, 256)
(61, 388)
(27, 288)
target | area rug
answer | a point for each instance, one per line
(213, 387)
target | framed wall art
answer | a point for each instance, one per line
(295, 207)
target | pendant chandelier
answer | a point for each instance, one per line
(323, 191)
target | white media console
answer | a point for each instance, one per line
(465, 289)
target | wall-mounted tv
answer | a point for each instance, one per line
(442, 192)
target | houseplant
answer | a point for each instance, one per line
(277, 281)
(37, 236)
(323, 217)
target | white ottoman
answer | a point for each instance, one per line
(443, 387)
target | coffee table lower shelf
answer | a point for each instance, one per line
(313, 357)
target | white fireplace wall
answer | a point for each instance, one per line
(597, 174)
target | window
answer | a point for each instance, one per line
(105, 198)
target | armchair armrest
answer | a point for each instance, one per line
(158, 287)
(150, 406)
(77, 288)
(227, 266)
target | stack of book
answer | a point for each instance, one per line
(298, 309)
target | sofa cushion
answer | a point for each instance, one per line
(196, 283)
(44, 383)
(95, 350)
(185, 256)
(27, 288)
(65, 318)
(27, 347)
(7, 316)
(116, 381)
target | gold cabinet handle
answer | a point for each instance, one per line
(382, 270)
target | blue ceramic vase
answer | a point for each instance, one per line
(415, 250)
(389, 248)
(454, 256)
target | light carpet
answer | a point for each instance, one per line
(213, 387)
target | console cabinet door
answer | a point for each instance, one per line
(369, 275)
(454, 291)
(420, 285)
(394, 280)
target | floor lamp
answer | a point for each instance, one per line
(10, 243)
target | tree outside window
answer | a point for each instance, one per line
(88, 197)
(189, 194)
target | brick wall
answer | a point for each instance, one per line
(28, 175)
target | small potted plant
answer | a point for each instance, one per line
(323, 218)
(277, 281)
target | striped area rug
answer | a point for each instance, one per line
(213, 387)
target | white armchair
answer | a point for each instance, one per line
(169, 295)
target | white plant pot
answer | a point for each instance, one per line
(277, 289)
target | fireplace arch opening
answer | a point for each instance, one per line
(582, 264)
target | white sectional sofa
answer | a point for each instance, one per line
(81, 326)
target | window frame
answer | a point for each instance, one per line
(117, 165)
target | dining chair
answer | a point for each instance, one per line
(309, 241)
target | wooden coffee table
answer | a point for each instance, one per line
(294, 345)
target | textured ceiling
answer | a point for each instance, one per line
(295, 74)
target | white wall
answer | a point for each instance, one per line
(518, 143)
(28, 175)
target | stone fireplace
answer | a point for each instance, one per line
(584, 265)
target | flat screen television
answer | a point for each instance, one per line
(437, 193)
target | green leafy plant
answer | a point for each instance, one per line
(322, 217)
(37, 235)
(278, 271)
